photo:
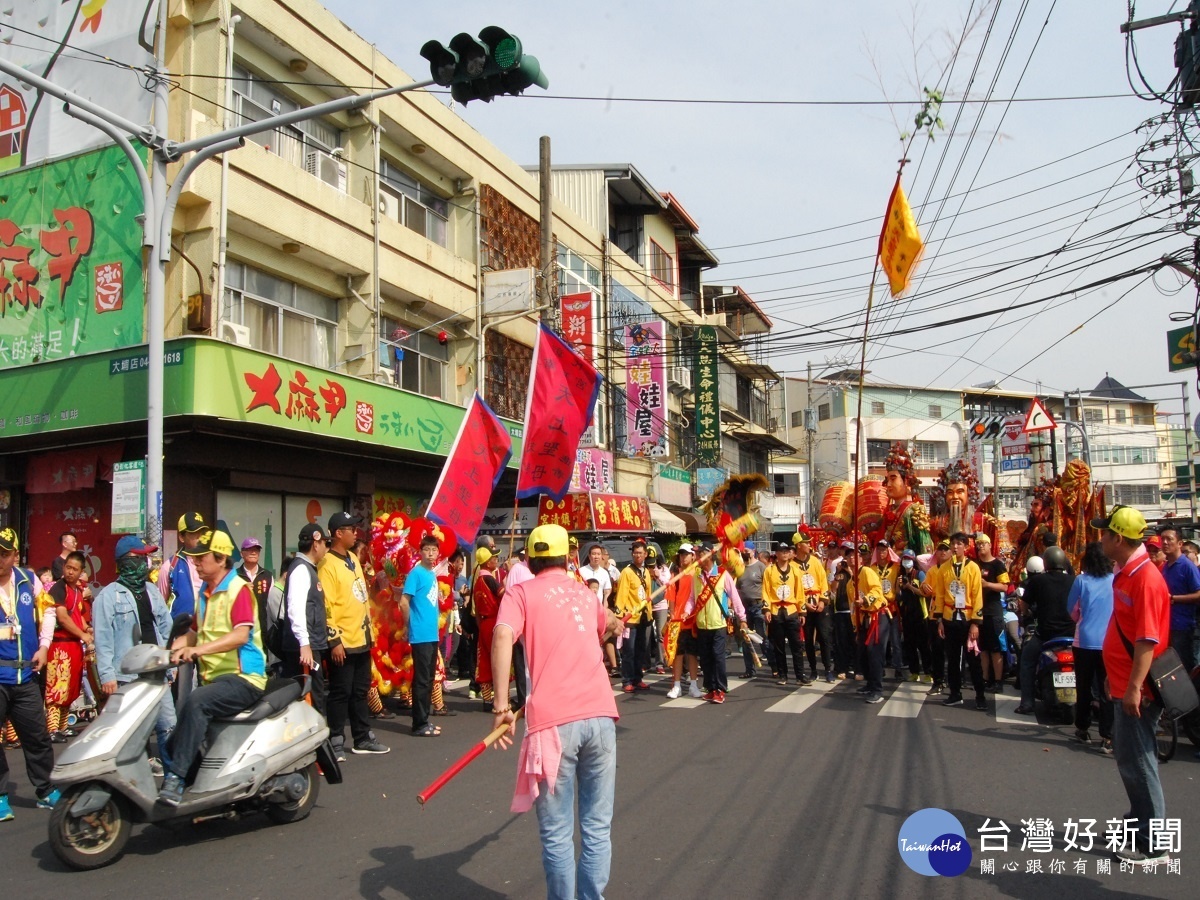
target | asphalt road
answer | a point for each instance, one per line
(780, 792)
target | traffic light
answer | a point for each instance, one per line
(483, 68)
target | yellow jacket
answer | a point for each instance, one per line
(887, 579)
(972, 581)
(633, 595)
(346, 612)
(783, 589)
(870, 590)
(815, 572)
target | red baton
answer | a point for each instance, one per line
(463, 761)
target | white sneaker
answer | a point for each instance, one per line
(675, 691)
(694, 691)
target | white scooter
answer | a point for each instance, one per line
(264, 758)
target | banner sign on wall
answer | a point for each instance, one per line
(646, 391)
(708, 403)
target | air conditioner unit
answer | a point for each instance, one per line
(234, 333)
(329, 170)
(680, 376)
(389, 205)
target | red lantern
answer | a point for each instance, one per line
(443, 337)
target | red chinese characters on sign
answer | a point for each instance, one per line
(302, 399)
(110, 287)
(364, 417)
(65, 246)
(596, 512)
(573, 512)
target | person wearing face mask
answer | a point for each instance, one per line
(914, 610)
(132, 600)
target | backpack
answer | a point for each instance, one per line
(275, 620)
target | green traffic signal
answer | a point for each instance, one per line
(484, 68)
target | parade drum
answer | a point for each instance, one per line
(837, 507)
(872, 502)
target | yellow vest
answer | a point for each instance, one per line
(214, 615)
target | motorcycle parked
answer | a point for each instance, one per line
(263, 758)
(1055, 677)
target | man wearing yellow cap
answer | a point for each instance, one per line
(485, 599)
(569, 752)
(181, 586)
(226, 645)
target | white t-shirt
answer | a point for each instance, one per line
(587, 573)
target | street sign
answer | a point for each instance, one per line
(1038, 418)
(129, 497)
(1016, 463)
(1013, 439)
(1181, 349)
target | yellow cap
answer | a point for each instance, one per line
(801, 538)
(547, 541)
(482, 555)
(212, 542)
(1123, 520)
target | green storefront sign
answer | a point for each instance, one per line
(70, 259)
(206, 377)
(708, 404)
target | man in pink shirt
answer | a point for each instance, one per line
(570, 742)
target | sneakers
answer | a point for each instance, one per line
(675, 691)
(642, 686)
(981, 705)
(1024, 710)
(806, 679)
(1107, 749)
(339, 746)
(926, 679)
(873, 697)
(156, 767)
(863, 690)
(1137, 856)
(710, 696)
(694, 691)
(718, 697)
(628, 689)
(953, 700)
(370, 746)
(936, 689)
(6, 813)
(1081, 737)
(659, 670)
(49, 800)
(829, 678)
(171, 792)
(999, 688)
(914, 678)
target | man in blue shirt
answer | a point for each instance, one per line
(1183, 581)
(420, 604)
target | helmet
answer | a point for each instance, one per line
(1055, 558)
(1034, 565)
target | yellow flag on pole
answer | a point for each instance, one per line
(900, 243)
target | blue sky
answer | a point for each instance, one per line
(768, 177)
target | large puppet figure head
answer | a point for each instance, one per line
(900, 482)
(960, 493)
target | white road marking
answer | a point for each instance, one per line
(1006, 705)
(801, 700)
(686, 702)
(906, 701)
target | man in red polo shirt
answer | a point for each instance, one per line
(1138, 631)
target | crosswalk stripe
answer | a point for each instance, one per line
(799, 701)
(906, 701)
(1006, 706)
(686, 702)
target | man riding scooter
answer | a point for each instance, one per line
(227, 645)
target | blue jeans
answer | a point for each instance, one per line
(589, 760)
(1137, 763)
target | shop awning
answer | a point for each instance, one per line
(663, 521)
(694, 523)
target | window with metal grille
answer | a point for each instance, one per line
(930, 453)
(935, 411)
(877, 408)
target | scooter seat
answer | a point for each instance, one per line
(276, 699)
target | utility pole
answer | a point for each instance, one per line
(1190, 449)
(808, 437)
(545, 195)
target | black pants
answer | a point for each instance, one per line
(1089, 683)
(224, 696)
(465, 656)
(937, 651)
(918, 655)
(875, 650)
(424, 659)
(819, 627)
(957, 631)
(785, 633)
(712, 659)
(23, 705)
(843, 643)
(518, 664)
(348, 687)
(756, 623)
(894, 655)
(633, 654)
(290, 667)
(1183, 640)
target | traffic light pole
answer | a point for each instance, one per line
(158, 204)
